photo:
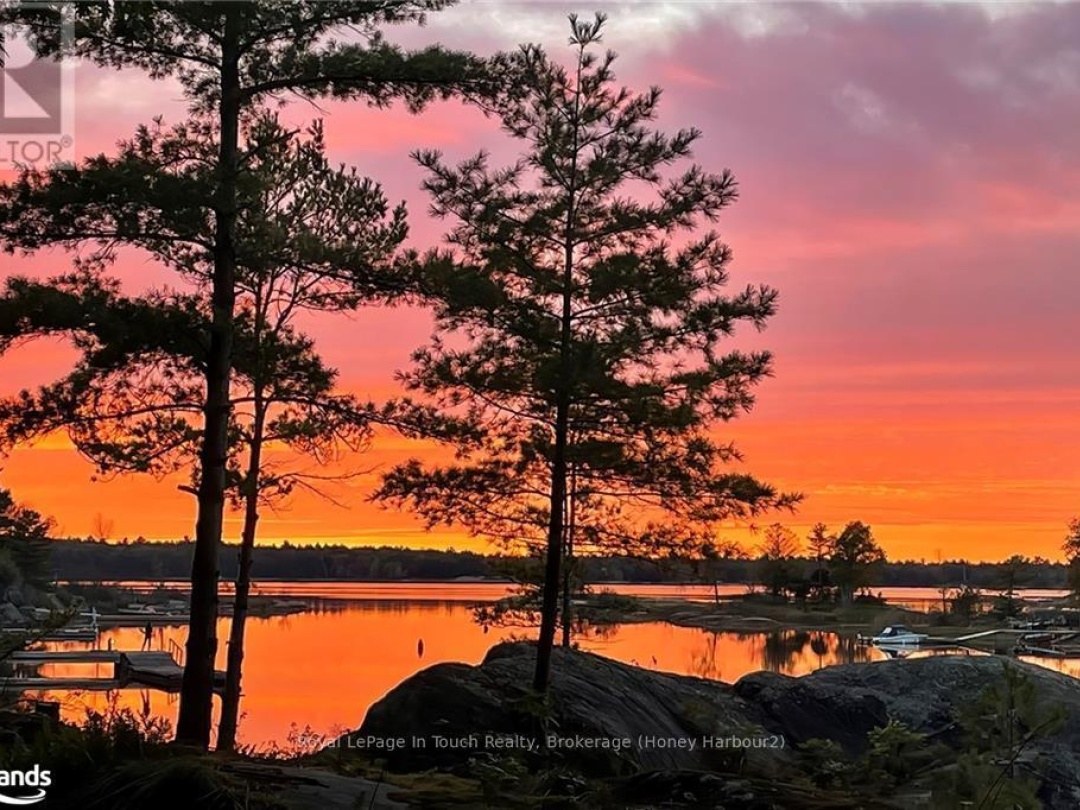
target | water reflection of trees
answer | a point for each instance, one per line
(393, 606)
(795, 652)
(789, 652)
(703, 661)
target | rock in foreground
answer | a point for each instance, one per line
(448, 712)
(617, 719)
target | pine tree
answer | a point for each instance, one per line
(24, 542)
(311, 238)
(853, 554)
(582, 327)
(230, 58)
(776, 552)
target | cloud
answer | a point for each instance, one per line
(909, 180)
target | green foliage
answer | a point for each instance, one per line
(895, 756)
(78, 756)
(289, 47)
(177, 783)
(24, 544)
(893, 750)
(1009, 714)
(497, 774)
(853, 556)
(996, 770)
(964, 602)
(976, 782)
(826, 763)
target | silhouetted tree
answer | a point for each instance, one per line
(1011, 575)
(582, 333)
(776, 552)
(1071, 547)
(711, 563)
(852, 556)
(24, 543)
(230, 58)
(964, 602)
(310, 238)
(819, 542)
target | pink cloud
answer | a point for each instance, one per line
(909, 180)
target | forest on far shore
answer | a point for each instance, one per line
(145, 560)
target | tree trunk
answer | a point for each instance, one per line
(230, 700)
(549, 610)
(197, 691)
(566, 614)
(568, 565)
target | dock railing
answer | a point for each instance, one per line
(176, 651)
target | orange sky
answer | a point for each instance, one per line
(919, 216)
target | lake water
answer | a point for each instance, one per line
(320, 670)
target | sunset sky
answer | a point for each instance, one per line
(910, 182)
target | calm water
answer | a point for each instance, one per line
(468, 591)
(322, 669)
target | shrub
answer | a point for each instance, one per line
(826, 763)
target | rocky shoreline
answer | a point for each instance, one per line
(765, 737)
(19, 604)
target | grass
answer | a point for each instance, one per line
(178, 783)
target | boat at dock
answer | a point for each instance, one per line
(895, 636)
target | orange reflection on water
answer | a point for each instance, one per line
(322, 669)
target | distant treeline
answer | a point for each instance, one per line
(142, 560)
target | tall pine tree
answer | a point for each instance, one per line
(583, 322)
(310, 237)
(230, 58)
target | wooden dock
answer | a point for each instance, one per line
(141, 619)
(132, 669)
(157, 669)
(64, 657)
(1041, 642)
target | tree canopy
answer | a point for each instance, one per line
(231, 59)
(583, 328)
(24, 538)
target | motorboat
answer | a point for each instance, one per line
(897, 635)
